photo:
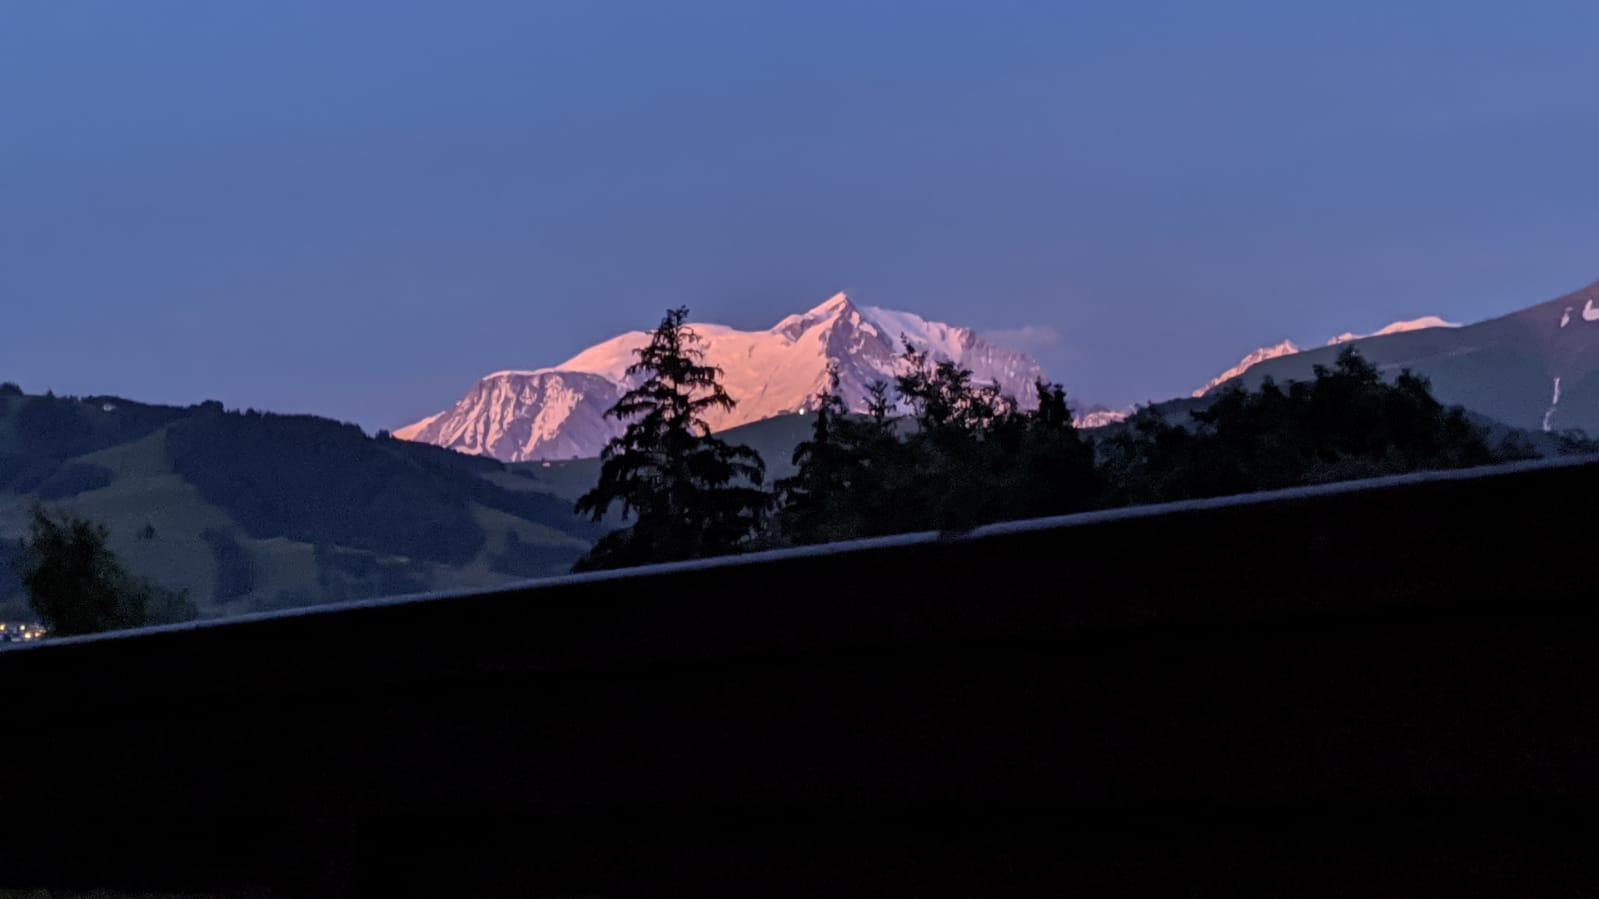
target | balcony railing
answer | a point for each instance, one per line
(1388, 684)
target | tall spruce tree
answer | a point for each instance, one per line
(691, 495)
(843, 474)
(806, 500)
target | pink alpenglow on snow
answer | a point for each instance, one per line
(559, 412)
(1288, 347)
(1418, 324)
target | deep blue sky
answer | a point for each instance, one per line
(356, 209)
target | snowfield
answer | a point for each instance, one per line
(558, 412)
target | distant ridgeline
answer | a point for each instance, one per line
(251, 511)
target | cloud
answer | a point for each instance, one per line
(1027, 337)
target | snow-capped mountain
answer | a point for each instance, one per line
(1289, 348)
(1286, 348)
(516, 415)
(1099, 417)
(1415, 324)
(558, 412)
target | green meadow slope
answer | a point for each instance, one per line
(250, 512)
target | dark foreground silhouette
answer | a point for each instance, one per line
(1380, 689)
(963, 454)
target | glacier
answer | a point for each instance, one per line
(559, 412)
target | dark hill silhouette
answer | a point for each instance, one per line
(302, 477)
(1504, 368)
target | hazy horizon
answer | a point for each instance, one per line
(358, 211)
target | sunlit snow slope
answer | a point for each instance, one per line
(558, 412)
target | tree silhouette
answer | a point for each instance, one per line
(967, 455)
(1042, 464)
(691, 494)
(1346, 423)
(941, 395)
(76, 585)
(805, 500)
(845, 474)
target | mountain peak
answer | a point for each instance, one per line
(559, 412)
(838, 302)
(1286, 348)
(831, 309)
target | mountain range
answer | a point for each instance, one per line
(1536, 369)
(1533, 369)
(1289, 348)
(559, 412)
(252, 511)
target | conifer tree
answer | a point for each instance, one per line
(1048, 466)
(1348, 422)
(878, 405)
(816, 501)
(690, 494)
(818, 463)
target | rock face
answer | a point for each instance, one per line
(1536, 369)
(558, 412)
(525, 415)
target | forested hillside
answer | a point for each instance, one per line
(968, 454)
(251, 511)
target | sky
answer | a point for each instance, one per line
(357, 209)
